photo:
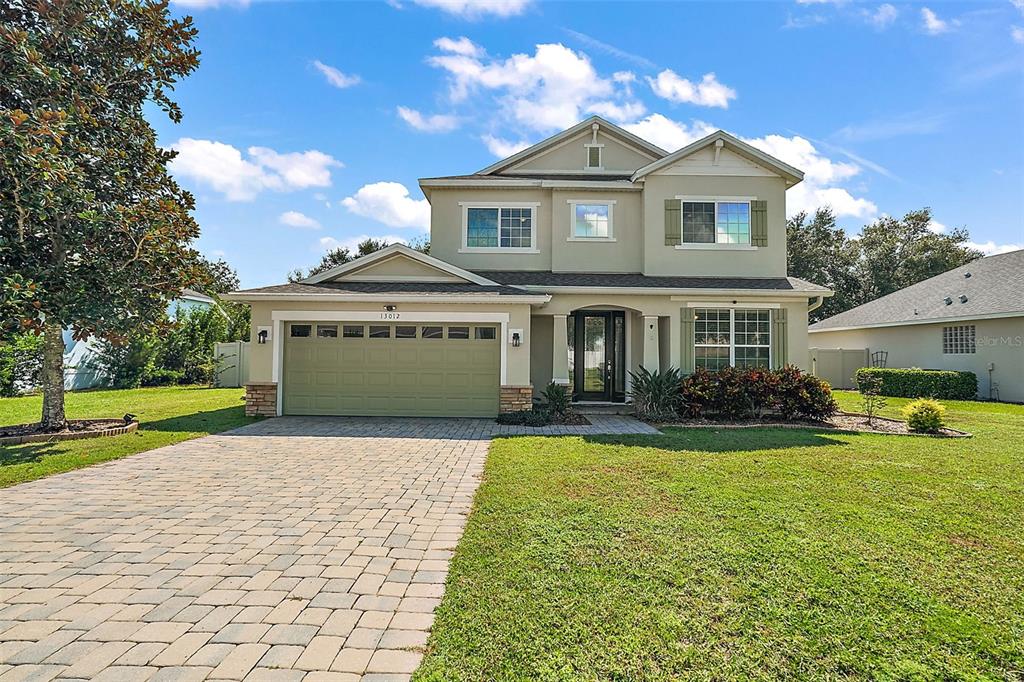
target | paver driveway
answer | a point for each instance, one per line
(259, 553)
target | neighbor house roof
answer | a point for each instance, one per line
(585, 280)
(989, 287)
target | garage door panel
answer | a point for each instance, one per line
(391, 376)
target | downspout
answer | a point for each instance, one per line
(819, 300)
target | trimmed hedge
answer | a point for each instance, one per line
(753, 393)
(923, 383)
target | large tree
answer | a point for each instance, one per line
(90, 215)
(820, 252)
(889, 254)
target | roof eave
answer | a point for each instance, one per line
(242, 296)
(906, 323)
(789, 173)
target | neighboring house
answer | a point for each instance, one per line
(577, 260)
(80, 369)
(970, 318)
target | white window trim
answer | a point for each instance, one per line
(281, 317)
(716, 245)
(600, 156)
(573, 203)
(534, 213)
(732, 333)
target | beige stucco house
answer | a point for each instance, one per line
(577, 261)
(968, 319)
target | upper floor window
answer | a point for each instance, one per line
(590, 220)
(959, 339)
(499, 227)
(716, 222)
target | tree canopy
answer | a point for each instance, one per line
(95, 222)
(342, 254)
(889, 254)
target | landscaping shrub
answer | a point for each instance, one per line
(923, 383)
(525, 418)
(871, 398)
(751, 393)
(21, 359)
(924, 415)
(655, 394)
(557, 400)
(159, 376)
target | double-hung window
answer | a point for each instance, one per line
(716, 222)
(725, 337)
(499, 227)
(590, 220)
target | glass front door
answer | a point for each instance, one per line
(598, 350)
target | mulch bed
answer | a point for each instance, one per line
(572, 419)
(842, 421)
(76, 429)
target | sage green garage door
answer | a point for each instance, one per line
(391, 369)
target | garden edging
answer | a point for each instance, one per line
(121, 428)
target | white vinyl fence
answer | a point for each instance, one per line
(232, 364)
(837, 366)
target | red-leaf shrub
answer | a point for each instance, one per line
(750, 393)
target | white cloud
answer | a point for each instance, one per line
(296, 219)
(933, 25)
(223, 168)
(707, 93)
(352, 243)
(1019, 4)
(389, 203)
(548, 90)
(936, 227)
(883, 17)
(596, 44)
(475, 9)
(668, 134)
(461, 45)
(1017, 33)
(627, 111)
(503, 148)
(990, 248)
(336, 77)
(436, 123)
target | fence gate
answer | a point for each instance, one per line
(838, 366)
(232, 364)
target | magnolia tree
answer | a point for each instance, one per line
(91, 220)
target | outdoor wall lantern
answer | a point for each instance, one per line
(391, 308)
(261, 336)
(517, 339)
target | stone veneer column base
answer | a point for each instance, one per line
(261, 399)
(515, 398)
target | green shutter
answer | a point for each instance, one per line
(759, 223)
(686, 341)
(780, 354)
(673, 222)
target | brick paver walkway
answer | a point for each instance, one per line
(295, 548)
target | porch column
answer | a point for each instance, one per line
(560, 350)
(651, 361)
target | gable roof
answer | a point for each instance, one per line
(607, 128)
(993, 287)
(392, 251)
(751, 153)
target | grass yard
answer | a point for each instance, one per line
(166, 415)
(756, 555)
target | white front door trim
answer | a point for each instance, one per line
(281, 316)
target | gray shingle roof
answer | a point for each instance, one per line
(425, 288)
(543, 278)
(995, 286)
(617, 177)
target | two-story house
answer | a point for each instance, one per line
(577, 260)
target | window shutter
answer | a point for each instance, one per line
(686, 341)
(779, 339)
(759, 223)
(673, 222)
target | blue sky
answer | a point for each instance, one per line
(308, 123)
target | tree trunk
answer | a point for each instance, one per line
(53, 378)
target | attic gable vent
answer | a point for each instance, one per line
(594, 150)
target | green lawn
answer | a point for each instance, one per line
(754, 554)
(166, 415)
